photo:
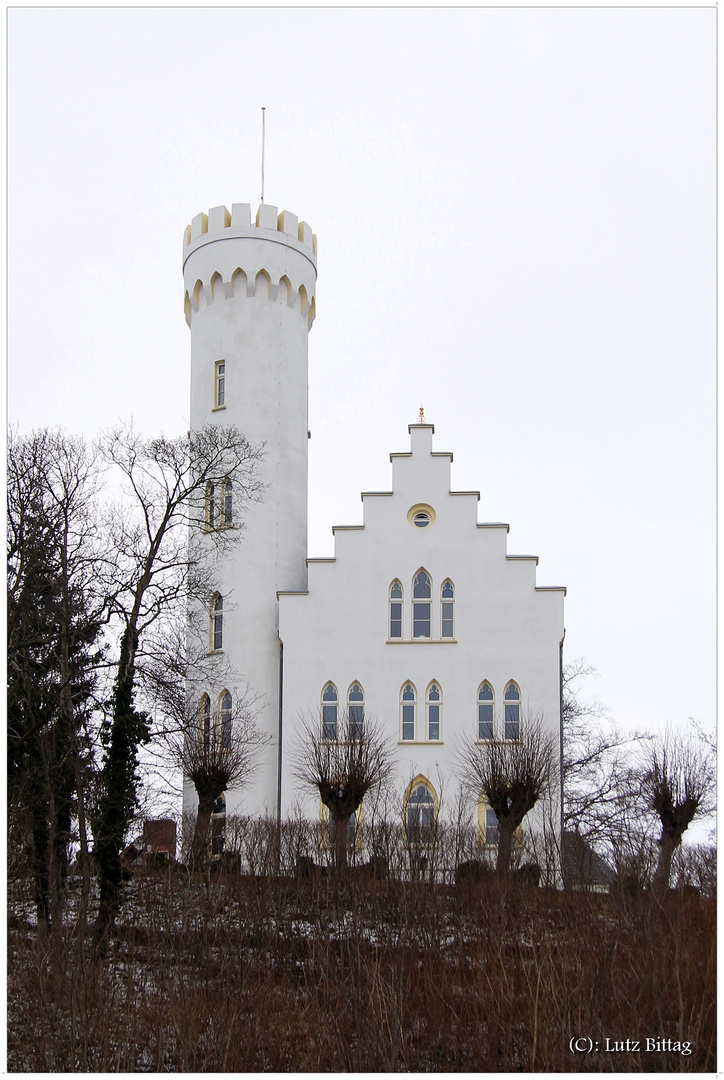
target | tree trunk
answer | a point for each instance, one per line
(341, 828)
(505, 846)
(128, 730)
(200, 843)
(668, 844)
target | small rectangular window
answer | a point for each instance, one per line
(408, 723)
(220, 384)
(433, 723)
(395, 620)
(447, 620)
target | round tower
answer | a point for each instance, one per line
(249, 302)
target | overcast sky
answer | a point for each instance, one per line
(515, 211)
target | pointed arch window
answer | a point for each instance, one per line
(433, 709)
(217, 622)
(448, 609)
(396, 609)
(210, 508)
(226, 502)
(512, 711)
(420, 812)
(408, 708)
(355, 711)
(205, 723)
(225, 710)
(421, 605)
(486, 707)
(329, 712)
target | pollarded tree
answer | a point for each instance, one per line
(343, 771)
(163, 558)
(678, 784)
(512, 776)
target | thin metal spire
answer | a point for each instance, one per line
(263, 133)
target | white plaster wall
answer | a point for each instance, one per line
(504, 628)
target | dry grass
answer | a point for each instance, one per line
(268, 973)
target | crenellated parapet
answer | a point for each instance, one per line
(226, 257)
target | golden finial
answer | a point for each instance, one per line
(422, 416)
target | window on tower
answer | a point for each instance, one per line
(220, 384)
(226, 502)
(486, 705)
(217, 623)
(355, 711)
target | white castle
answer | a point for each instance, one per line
(421, 620)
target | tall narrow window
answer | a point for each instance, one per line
(217, 623)
(205, 723)
(448, 610)
(420, 812)
(512, 711)
(395, 610)
(421, 594)
(210, 506)
(486, 705)
(407, 708)
(219, 384)
(226, 502)
(225, 720)
(355, 711)
(329, 713)
(433, 708)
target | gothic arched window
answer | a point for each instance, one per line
(210, 509)
(421, 596)
(205, 723)
(225, 708)
(396, 610)
(226, 502)
(486, 706)
(433, 709)
(448, 609)
(217, 622)
(329, 712)
(512, 711)
(420, 812)
(355, 711)
(408, 707)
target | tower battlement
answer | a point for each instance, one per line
(225, 255)
(219, 224)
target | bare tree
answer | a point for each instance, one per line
(217, 757)
(678, 783)
(164, 549)
(512, 776)
(597, 795)
(343, 772)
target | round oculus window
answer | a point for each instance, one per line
(421, 515)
